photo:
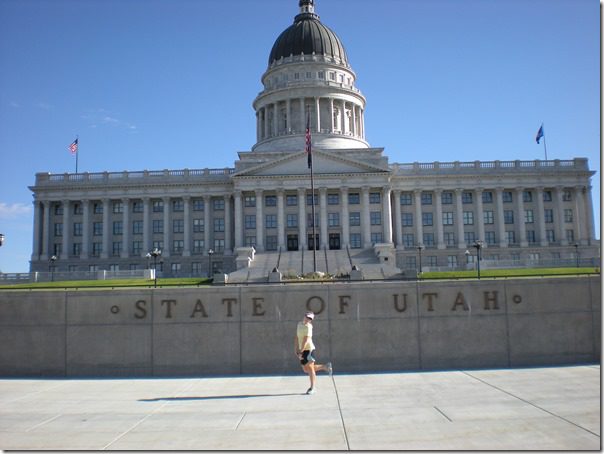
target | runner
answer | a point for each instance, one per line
(305, 351)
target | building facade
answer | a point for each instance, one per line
(517, 210)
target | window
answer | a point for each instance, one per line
(116, 248)
(250, 241)
(510, 236)
(468, 218)
(469, 237)
(291, 200)
(426, 198)
(158, 206)
(96, 249)
(568, 215)
(77, 229)
(197, 204)
(218, 204)
(354, 198)
(292, 220)
(548, 215)
(218, 247)
(198, 246)
(507, 197)
(489, 237)
(158, 244)
(488, 217)
(309, 200)
(452, 261)
(178, 205)
(530, 236)
(567, 195)
(57, 250)
(321, 74)
(375, 217)
(158, 226)
(309, 220)
(118, 207)
(219, 225)
(271, 243)
(432, 260)
(406, 198)
(78, 209)
(332, 75)
(137, 227)
(547, 196)
(449, 238)
(508, 217)
(528, 217)
(407, 219)
(570, 236)
(118, 227)
(250, 221)
(355, 240)
(271, 221)
(466, 197)
(333, 219)
(97, 228)
(198, 225)
(487, 197)
(374, 197)
(137, 247)
(269, 201)
(428, 239)
(97, 208)
(410, 262)
(427, 219)
(178, 226)
(77, 248)
(196, 268)
(333, 199)
(376, 237)
(250, 200)
(137, 206)
(447, 218)
(408, 240)
(447, 198)
(527, 196)
(58, 229)
(354, 219)
(550, 236)
(178, 246)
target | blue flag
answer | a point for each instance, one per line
(539, 134)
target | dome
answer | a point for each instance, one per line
(307, 36)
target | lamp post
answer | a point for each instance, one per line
(51, 267)
(210, 254)
(155, 253)
(420, 247)
(478, 246)
(577, 254)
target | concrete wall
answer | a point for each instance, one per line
(250, 330)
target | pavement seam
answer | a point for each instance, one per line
(531, 403)
(240, 421)
(341, 415)
(443, 413)
(44, 422)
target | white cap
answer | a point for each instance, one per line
(310, 315)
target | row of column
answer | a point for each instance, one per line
(270, 122)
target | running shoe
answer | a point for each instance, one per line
(329, 369)
(310, 391)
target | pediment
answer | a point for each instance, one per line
(323, 163)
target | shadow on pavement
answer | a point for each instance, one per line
(237, 396)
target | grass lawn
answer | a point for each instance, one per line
(112, 283)
(515, 272)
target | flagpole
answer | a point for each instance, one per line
(77, 152)
(544, 147)
(314, 236)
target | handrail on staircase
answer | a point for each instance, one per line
(279, 258)
(326, 262)
(349, 258)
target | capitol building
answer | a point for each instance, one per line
(517, 211)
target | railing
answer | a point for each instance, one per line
(489, 166)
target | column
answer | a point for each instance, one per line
(228, 244)
(318, 110)
(323, 217)
(354, 120)
(281, 220)
(35, 254)
(186, 252)
(106, 211)
(275, 121)
(461, 242)
(579, 217)
(398, 227)
(560, 216)
(520, 215)
(46, 230)
(239, 219)
(440, 236)
(499, 219)
(146, 226)
(266, 122)
(331, 125)
(259, 222)
(387, 210)
(302, 218)
(590, 216)
(207, 228)
(66, 230)
(85, 229)
(125, 228)
(288, 116)
(419, 228)
(343, 116)
(345, 217)
(541, 216)
(365, 217)
(480, 216)
(165, 252)
(258, 126)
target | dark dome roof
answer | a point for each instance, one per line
(305, 36)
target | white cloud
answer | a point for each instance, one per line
(14, 211)
(100, 117)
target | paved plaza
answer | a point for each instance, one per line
(511, 409)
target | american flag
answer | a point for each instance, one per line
(308, 141)
(74, 147)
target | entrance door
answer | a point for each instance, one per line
(292, 242)
(334, 241)
(312, 243)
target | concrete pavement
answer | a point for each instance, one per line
(514, 409)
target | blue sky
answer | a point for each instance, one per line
(156, 84)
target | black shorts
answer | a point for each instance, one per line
(307, 356)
